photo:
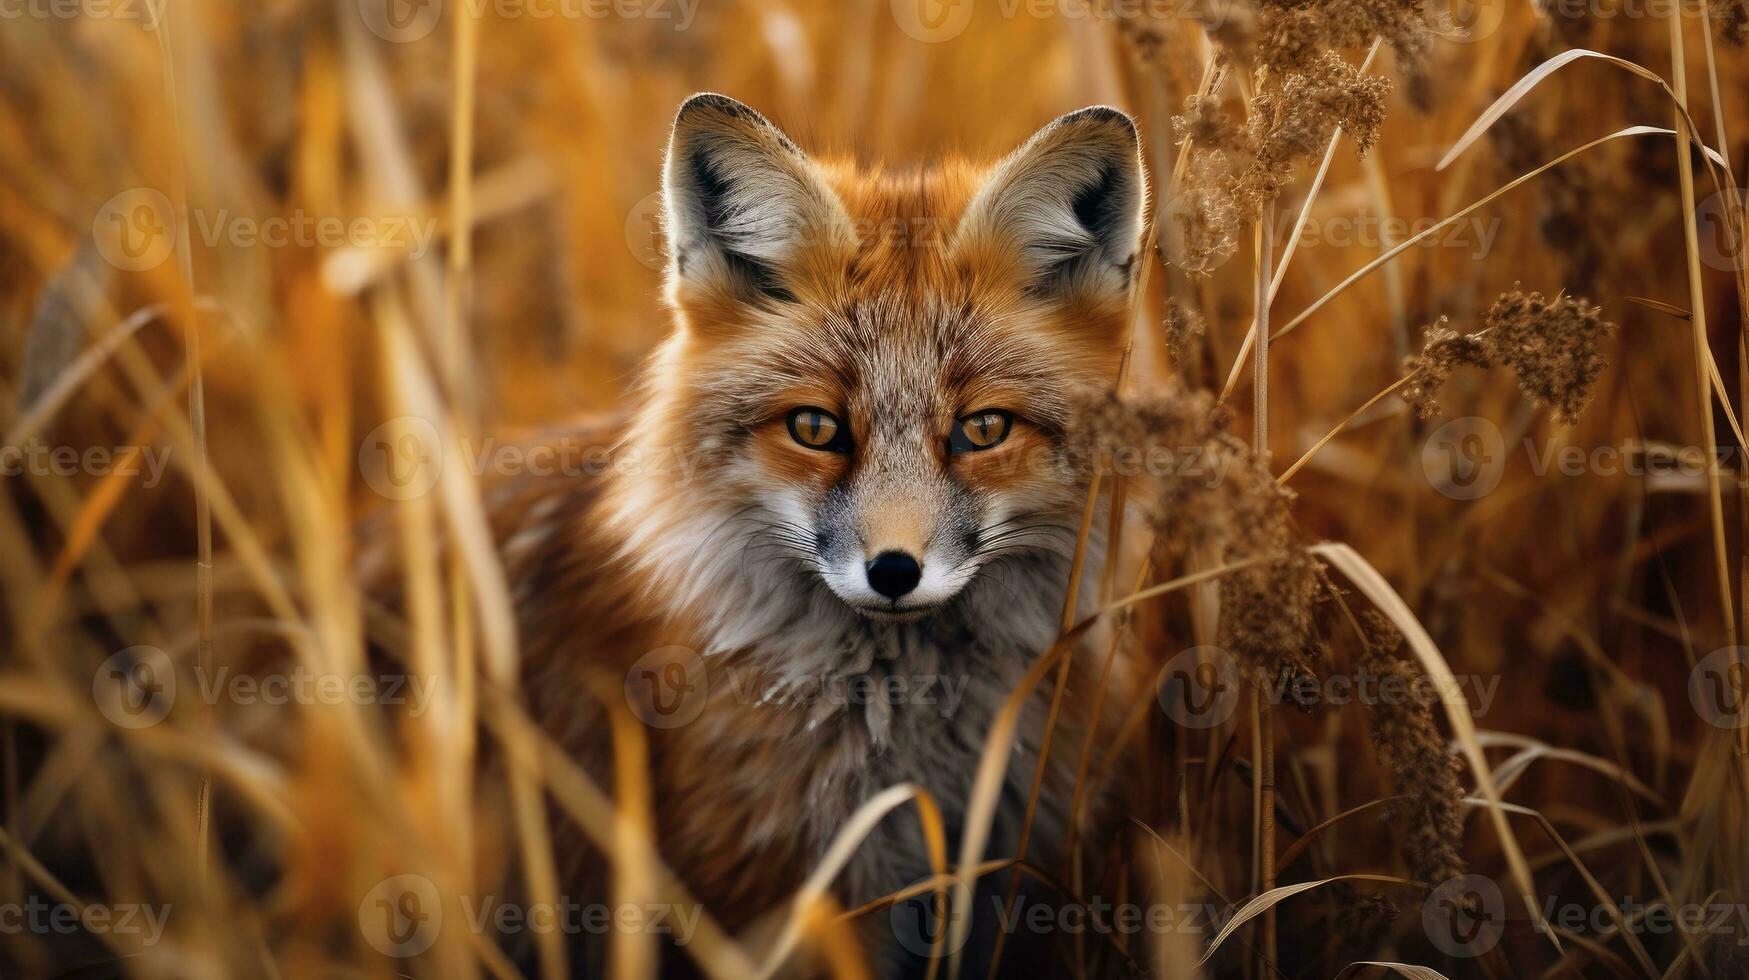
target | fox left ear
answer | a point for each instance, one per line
(1071, 200)
(748, 217)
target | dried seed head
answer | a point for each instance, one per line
(1731, 18)
(1409, 744)
(1443, 352)
(1555, 345)
(1214, 497)
(1184, 338)
(1297, 120)
(1207, 124)
(1201, 225)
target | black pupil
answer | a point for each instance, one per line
(986, 428)
(814, 424)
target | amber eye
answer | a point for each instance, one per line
(980, 430)
(817, 428)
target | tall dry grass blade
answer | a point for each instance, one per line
(1275, 896)
(1373, 585)
(714, 951)
(844, 844)
(1697, 308)
(1293, 242)
(1409, 970)
(1452, 219)
(1598, 891)
(183, 308)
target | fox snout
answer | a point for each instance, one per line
(896, 546)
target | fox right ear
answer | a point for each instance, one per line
(746, 214)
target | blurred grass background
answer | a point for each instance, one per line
(1591, 595)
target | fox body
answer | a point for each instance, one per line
(869, 380)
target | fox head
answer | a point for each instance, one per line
(871, 373)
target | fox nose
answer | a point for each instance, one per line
(893, 573)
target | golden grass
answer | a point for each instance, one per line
(532, 148)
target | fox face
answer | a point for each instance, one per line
(873, 372)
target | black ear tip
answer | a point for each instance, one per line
(709, 110)
(1103, 116)
(705, 104)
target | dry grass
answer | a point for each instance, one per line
(1550, 224)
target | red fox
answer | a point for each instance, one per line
(844, 516)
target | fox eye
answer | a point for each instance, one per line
(817, 428)
(980, 430)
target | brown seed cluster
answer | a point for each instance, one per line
(1444, 351)
(1295, 122)
(1555, 346)
(1238, 168)
(1411, 747)
(1213, 496)
(1294, 31)
(1731, 19)
(1185, 339)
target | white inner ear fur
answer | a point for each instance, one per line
(740, 199)
(1071, 199)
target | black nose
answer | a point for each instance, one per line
(893, 573)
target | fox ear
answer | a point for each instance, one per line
(746, 213)
(1067, 206)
